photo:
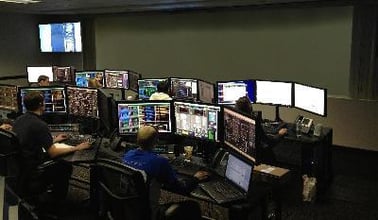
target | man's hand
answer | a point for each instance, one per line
(60, 137)
(201, 175)
(6, 127)
(282, 131)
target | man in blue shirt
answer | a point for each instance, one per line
(157, 167)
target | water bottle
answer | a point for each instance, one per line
(298, 128)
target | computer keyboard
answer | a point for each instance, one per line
(75, 139)
(273, 127)
(183, 167)
(221, 192)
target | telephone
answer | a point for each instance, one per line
(219, 161)
(305, 123)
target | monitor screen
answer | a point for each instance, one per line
(82, 102)
(230, 91)
(184, 89)
(239, 172)
(35, 71)
(63, 74)
(205, 91)
(240, 133)
(147, 87)
(8, 97)
(91, 79)
(133, 80)
(132, 116)
(54, 98)
(274, 92)
(197, 120)
(311, 99)
(60, 37)
(117, 79)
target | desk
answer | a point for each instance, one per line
(313, 155)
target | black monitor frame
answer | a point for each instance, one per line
(87, 83)
(171, 81)
(71, 74)
(150, 79)
(141, 103)
(200, 98)
(133, 85)
(15, 98)
(80, 102)
(125, 86)
(43, 88)
(308, 110)
(249, 90)
(218, 132)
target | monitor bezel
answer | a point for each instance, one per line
(68, 105)
(214, 91)
(86, 71)
(182, 78)
(51, 77)
(253, 100)
(116, 70)
(170, 102)
(20, 100)
(219, 119)
(324, 98)
(160, 79)
(72, 72)
(136, 89)
(274, 104)
(17, 98)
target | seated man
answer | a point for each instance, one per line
(162, 92)
(37, 146)
(243, 104)
(158, 167)
(6, 124)
(43, 80)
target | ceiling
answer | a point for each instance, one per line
(119, 6)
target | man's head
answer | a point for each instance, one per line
(43, 80)
(244, 105)
(163, 86)
(33, 101)
(147, 137)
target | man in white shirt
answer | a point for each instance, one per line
(162, 92)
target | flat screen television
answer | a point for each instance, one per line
(116, 79)
(90, 78)
(240, 133)
(54, 98)
(8, 97)
(82, 102)
(184, 89)
(197, 120)
(277, 93)
(60, 37)
(205, 91)
(35, 71)
(230, 91)
(310, 98)
(63, 74)
(147, 87)
(133, 115)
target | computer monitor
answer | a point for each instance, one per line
(240, 133)
(133, 80)
(230, 91)
(117, 79)
(8, 97)
(197, 120)
(310, 98)
(63, 74)
(54, 98)
(82, 102)
(184, 89)
(205, 91)
(91, 79)
(274, 92)
(105, 109)
(35, 71)
(133, 115)
(146, 87)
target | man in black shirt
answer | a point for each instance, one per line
(37, 147)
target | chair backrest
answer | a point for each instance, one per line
(120, 191)
(9, 153)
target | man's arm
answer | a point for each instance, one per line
(55, 151)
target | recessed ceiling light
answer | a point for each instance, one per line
(21, 1)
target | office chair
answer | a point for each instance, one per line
(9, 153)
(119, 191)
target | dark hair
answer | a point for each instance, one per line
(33, 100)
(244, 105)
(42, 78)
(163, 86)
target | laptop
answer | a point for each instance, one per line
(234, 186)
